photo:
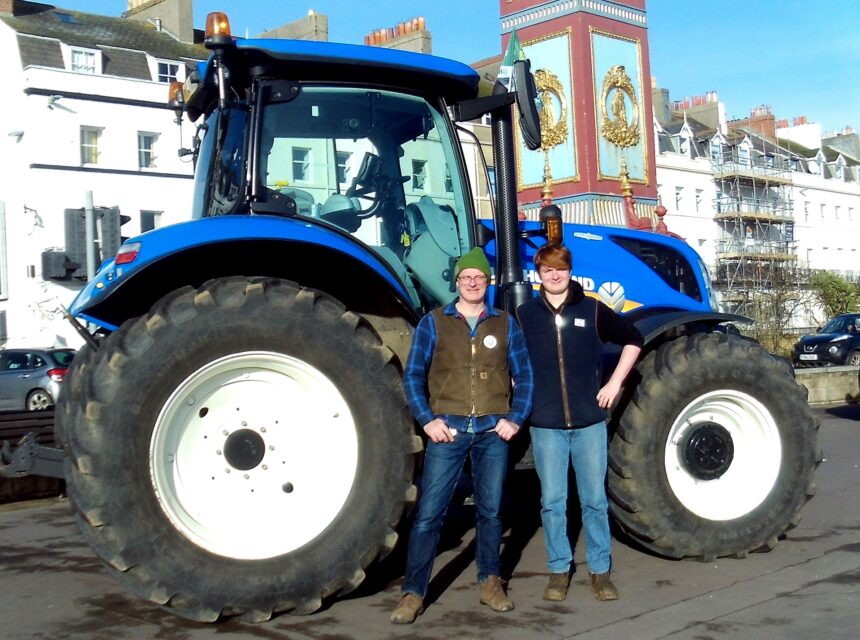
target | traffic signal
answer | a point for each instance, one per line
(110, 235)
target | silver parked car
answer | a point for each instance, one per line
(30, 379)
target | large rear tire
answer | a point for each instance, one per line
(243, 449)
(715, 453)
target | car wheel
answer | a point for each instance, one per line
(853, 358)
(39, 400)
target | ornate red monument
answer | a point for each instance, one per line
(590, 59)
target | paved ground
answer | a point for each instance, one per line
(53, 587)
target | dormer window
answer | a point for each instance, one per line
(839, 168)
(84, 61)
(168, 72)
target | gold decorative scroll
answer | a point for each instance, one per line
(618, 128)
(553, 130)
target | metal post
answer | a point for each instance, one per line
(90, 218)
(511, 287)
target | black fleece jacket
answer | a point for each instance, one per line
(565, 348)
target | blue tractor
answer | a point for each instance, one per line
(236, 439)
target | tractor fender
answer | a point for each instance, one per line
(655, 322)
(314, 254)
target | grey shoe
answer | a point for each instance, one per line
(602, 587)
(409, 608)
(494, 596)
(556, 588)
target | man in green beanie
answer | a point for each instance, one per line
(457, 380)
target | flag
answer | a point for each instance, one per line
(513, 53)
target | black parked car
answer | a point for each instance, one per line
(837, 342)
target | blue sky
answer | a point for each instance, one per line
(801, 57)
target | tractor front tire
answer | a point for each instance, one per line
(243, 449)
(715, 453)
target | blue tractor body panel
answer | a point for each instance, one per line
(601, 263)
(622, 277)
(185, 236)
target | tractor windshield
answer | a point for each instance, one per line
(379, 165)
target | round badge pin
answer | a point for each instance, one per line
(490, 342)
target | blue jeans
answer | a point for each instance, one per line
(554, 451)
(443, 463)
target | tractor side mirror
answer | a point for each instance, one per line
(526, 94)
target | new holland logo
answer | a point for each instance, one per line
(612, 295)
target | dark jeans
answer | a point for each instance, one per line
(442, 466)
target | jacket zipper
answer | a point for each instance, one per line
(473, 381)
(564, 399)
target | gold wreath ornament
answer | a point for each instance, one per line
(618, 128)
(553, 131)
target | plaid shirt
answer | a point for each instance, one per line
(418, 365)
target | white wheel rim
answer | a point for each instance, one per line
(39, 400)
(300, 484)
(754, 467)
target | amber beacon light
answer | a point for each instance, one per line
(217, 29)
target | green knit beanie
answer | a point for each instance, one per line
(474, 259)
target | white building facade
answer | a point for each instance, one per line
(85, 102)
(797, 205)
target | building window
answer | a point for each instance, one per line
(342, 166)
(836, 213)
(149, 220)
(822, 213)
(419, 175)
(83, 61)
(698, 200)
(146, 150)
(90, 145)
(806, 211)
(449, 183)
(167, 71)
(491, 174)
(850, 214)
(301, 164)
(679, 192)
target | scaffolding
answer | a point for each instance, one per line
(756, 252)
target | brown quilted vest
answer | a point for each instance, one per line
(469, 375)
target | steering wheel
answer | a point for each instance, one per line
(366, 180)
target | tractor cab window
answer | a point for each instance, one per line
(219, 179)
(378, 165)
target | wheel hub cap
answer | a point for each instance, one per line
(244, 449)
(708, 451)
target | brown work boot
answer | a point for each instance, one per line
(602, 587)
(493, 594)
(556, 588)
(409, 608)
